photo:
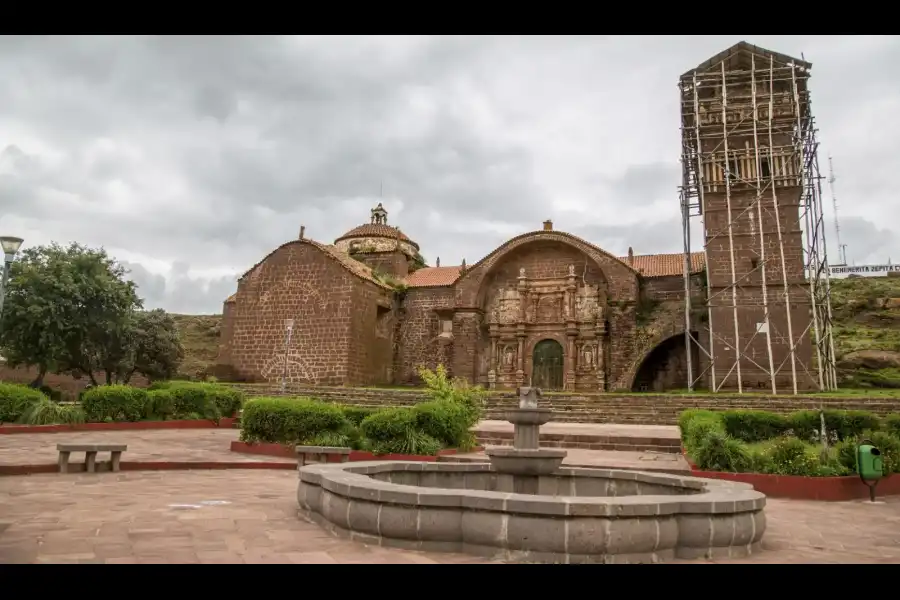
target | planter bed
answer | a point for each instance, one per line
(283, 451)
(794, 487)
(126, 426)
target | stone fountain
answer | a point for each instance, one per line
(524, 505)
(526, 461)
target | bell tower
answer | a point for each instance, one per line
(750, 174)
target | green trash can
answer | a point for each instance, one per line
(869, 462)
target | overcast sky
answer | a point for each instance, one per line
(189, 158)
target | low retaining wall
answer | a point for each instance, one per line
(831, 489)
(795, 487)
(128, 426)
(282, 451)
(646, 407)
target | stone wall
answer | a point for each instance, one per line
(302, 283)
(418, 340)
(647, 409)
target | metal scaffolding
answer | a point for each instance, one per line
(751, 174)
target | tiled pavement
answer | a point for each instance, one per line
(182, 445)
(250, 517)
(212, 445)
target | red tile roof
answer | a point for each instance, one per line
(377, 230)
(648, 265)
(433, 276)
(664, 265)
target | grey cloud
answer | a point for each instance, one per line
(206, 152)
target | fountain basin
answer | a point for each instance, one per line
(576, 516)
(523, 461)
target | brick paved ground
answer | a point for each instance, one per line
(212, 445)
(178, 517)
(182, 445)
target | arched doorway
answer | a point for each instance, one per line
(547, 366)
(665, 367)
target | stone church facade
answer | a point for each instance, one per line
(546, 308)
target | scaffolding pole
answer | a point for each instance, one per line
(749, 149)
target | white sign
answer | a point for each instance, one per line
(863, 270)
(289, 323)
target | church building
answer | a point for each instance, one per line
(546, 308)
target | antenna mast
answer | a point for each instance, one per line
(842, 248)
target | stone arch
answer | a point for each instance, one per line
(623, 279)
(664, 367)
(508, 253)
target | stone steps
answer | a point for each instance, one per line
(587, 442)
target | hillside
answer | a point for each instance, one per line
(866, 328)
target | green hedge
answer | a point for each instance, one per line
(423, 429)
(16, 400)
(166, 401)
(292, 421)
(762, 442)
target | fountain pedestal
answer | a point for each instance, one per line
(526, 460)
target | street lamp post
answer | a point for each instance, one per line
(10, 246)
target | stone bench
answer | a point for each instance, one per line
(319, 454)
(90, 455)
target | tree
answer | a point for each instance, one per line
(157, 349)
(69, 310)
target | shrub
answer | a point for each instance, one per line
(891, 425)
(47, 412)
(15, 400)
(446, 421)
(792, 456)
(289, 421)
(160, 405)
(439, 387)
(718, 452)
(397, 431)
(886, 443)
(210, 400)
(696, 425)
(840, 424)
(754, 425)
(356, 414)
(114, 403)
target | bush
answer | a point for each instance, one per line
(160, 405)
(114, 403)
(754, 425)
(840, 424)
(792, 456)
(290, 421)
(356, 414)
(398, 431)
(47, 412)
(697, 425)
(886, 443)
(891, 425)
(447, 422)
(719, 452)
(210, 400)
(440, 388)
(15, 400)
